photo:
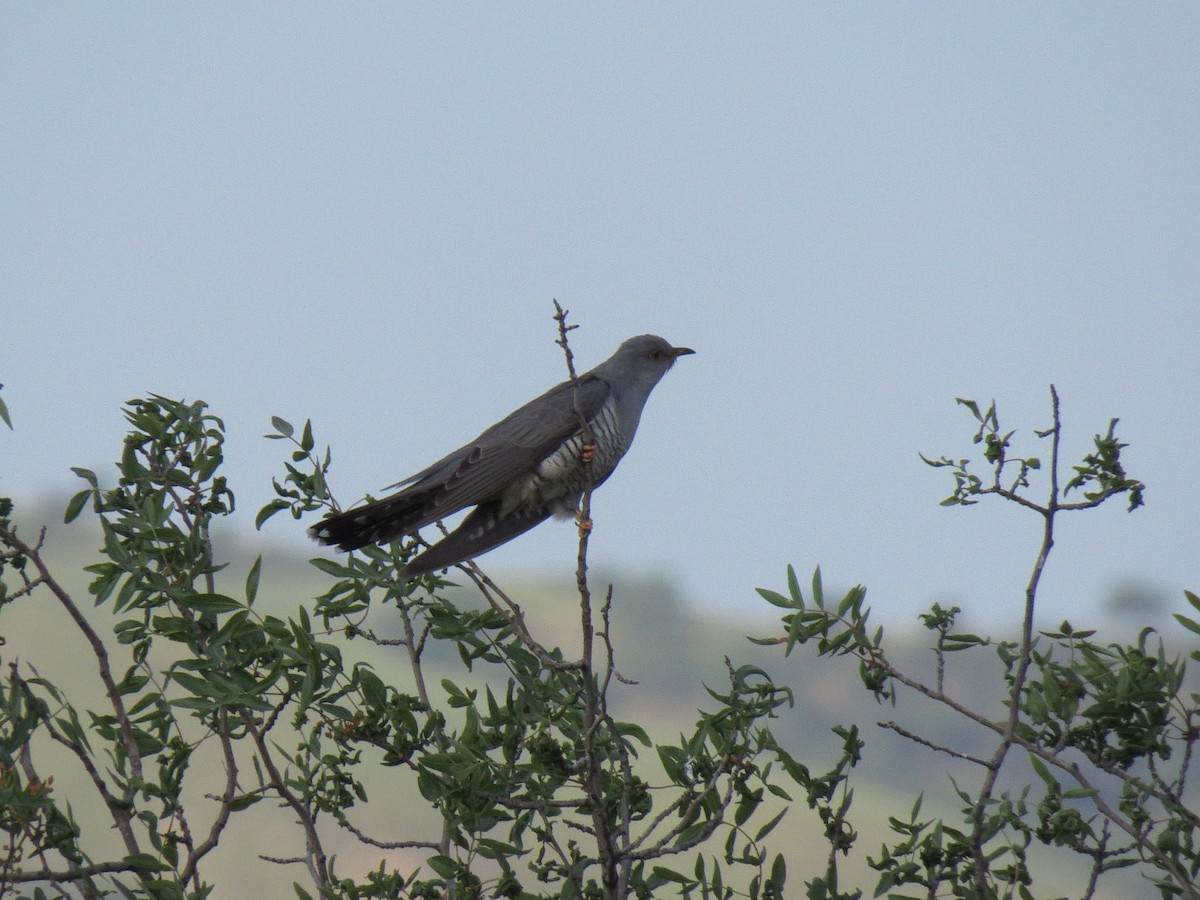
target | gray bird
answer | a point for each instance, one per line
(525, 468)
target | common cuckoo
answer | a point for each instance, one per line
(528, 466)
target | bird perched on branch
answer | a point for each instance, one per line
(528, 466)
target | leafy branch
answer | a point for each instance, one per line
(1106, 720)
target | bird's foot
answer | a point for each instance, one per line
(584, 523)
(587, 453)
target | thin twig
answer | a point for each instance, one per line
(515, 616)
(314, 857)
(979, 811)
(957, 754)
(592, 714)
(88, 871)
(225, 802)
(387, 845)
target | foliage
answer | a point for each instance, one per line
(1108, 730)
(540, 790)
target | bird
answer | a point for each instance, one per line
(532, 464)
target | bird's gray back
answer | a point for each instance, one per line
(503, 456)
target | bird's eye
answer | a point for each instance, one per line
(656, 354)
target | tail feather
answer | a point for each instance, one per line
(384, 520)
(482, 530)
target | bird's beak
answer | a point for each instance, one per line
(681, 351)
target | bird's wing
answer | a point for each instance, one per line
(482, 530)
(514, 446)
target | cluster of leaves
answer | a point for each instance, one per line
(183, 665)
(539, 790)
(1109, 729)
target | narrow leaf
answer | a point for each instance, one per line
(252, 581)
(211, 603)
(75, 507)
(1190, 624)
(775, 598)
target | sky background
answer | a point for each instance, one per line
(854, 213)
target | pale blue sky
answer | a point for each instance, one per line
(854, 213)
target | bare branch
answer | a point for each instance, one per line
(916, 738)
(90, 870)
(387, 845)
(314, 858)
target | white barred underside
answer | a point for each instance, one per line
(561, 478)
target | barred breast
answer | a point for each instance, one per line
(561, 478)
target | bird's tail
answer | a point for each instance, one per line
(482, 530)
(384, 520)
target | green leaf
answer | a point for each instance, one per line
(672, 759)
(332, 567)
(962, 641)
(75, 507)
(629, 729)
(144, 861)
(490, 848)
(216, 603)
(1043, 772)
(193, 684)
(245, 801)
(745, 809)
(252, 581)
(4, 414)
(778, 871)
(665, 874)
(770, 826)
(1187, 623)
(775, 598)
(267, 511)
(282, 426)
(373, 690)
(794, 587)
(87, 475)
(443, 865)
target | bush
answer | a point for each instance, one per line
(538, 789)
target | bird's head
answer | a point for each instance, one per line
(649, 353)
